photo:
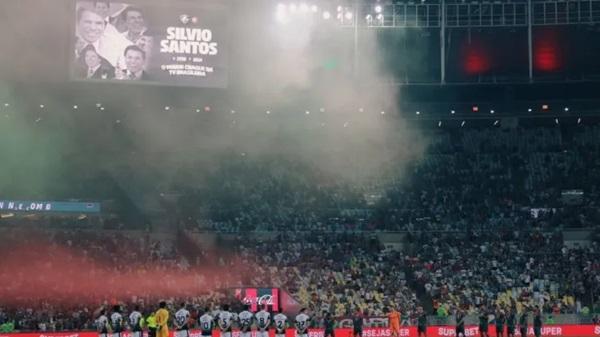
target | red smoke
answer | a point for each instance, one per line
(34, 269)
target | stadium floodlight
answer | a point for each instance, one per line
(348, 15)
(42, 106)
(452, 112)
(102, 108)
(529, 110)
(326, 15)
(492, 111)
(566, 109)
(418, 113)
(378, 9)
(75, 107)
(167, 107)
(268, 112)
(314, 8)
(307, 112)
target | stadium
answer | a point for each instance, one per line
(263, 168)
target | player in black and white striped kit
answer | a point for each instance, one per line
(263, 321)
(245, 322)
(116, 321)
(134, 322)
(206, 323)
(224, 321)
(182, 319)
(302, 322)
(102, 324)
(280, 321)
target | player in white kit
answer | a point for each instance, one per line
(302, 322)
(245, 322)
(206, 323)
(134, 322)
(116, 321)
(263, 320)
(182, 320)
(102, 324)
(280, 324)
(224, 321)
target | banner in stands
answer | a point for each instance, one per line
(49, 206)
(433, 331)
(170, 43)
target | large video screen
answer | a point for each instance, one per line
(168, 43)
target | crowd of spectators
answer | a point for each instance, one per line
(482, 212)
(480, 178)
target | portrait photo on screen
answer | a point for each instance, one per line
(181, 45)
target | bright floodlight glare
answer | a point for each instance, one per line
(307, 112)
(268, 112)
(314, 8)
(6, 104)
(326, 15)
(167, 107)
(280, 16)
(75, 107)
(492, 111)
(378, 9)
(418, 112)
(452, 112)
(566, 109)
(41, 106)
(304, 8)
(348, 15)
(529, 110)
